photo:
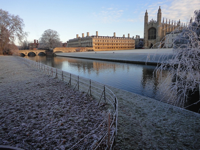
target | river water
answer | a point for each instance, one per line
(134, 78)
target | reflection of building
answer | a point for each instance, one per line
(102, 43)
(102, 66)
(154, 30)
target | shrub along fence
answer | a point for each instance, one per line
(107, 130)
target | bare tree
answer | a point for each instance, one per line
(24, 45)
(11, 28)
(49, 40)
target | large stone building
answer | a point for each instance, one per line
(155, 30)
(102, 43)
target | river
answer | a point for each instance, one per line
(134, 78)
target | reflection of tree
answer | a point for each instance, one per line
(102, 66)
(147, 74)
(150, 77)
(90, 65)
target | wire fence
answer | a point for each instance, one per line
(107, 130)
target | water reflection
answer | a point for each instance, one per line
(131, 77)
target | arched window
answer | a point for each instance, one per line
(152, 33)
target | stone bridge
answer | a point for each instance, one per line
(26, 52)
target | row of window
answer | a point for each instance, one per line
(114, 47)
(115, 44)
(124, 41)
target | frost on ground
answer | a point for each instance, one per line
(41, 112)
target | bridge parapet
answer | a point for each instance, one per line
(26, 52)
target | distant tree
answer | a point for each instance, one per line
(49, 40)
(141, 44)
(184, 66)
(24, 45)
(11, 28)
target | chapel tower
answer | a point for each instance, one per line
(155, 30)
(145, 28)
(158, 35)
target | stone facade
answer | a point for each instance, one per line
(155, 30)
(26, 52)
(103, 43)
(72, 49)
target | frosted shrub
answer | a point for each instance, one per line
(183, 77)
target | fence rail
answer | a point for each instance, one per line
(107, 130)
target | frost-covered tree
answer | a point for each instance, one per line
(11, 28)
(184, 67)
(49, 40)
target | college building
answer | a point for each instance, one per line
(102, 43)
(155, 30)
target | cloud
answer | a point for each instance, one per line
(175, 9)
(109, 15)
(131, 20)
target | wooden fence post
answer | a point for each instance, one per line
(104, 93)
(90, 88)
(78, 82)
(62, 76)
(108, 130)
(70, 79)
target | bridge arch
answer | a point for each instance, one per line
(32, 54)
(41, 54)
(22, 54)
(29, 52)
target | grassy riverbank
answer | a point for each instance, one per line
(143, 123)
(40, 112)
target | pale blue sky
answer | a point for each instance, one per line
(69, 17)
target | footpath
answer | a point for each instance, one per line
(38, 112)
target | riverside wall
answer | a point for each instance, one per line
(147, 56)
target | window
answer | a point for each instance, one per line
(152, 33)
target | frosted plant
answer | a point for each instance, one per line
(184, 66)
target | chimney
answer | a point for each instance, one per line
(37, 41)
(123, 35)
(97, 33)
(82, 35)
(114, 35)
(129, 35)
(34, 41)
(88, 34)
(76, 35)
